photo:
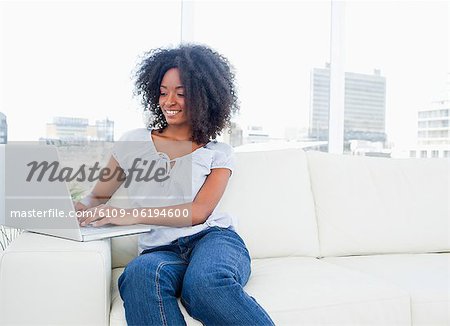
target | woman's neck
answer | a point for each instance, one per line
(178, 132)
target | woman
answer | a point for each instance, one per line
(197, 256)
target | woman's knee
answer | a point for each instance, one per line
(152, 273)
(136, 274)
(203, 287)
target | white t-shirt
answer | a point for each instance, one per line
(186, 177)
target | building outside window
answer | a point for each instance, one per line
(279, 56)
(3, 129)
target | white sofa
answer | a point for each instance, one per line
(335, 240)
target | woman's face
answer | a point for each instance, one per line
(171, 98)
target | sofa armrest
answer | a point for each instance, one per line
(48, 280)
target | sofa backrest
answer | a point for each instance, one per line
(367, 205)
(270, 195)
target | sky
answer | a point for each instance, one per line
(76, 58)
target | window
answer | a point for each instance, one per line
(77, 58)
(280, 51)
(282, 63)
(372, 30)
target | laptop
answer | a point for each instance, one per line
(44, 206)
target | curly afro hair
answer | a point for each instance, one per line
(208, 81)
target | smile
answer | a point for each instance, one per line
(172, 112)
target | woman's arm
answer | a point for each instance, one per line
(103, 190)
(199, 210)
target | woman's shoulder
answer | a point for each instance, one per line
(222, 155)
(215, 145)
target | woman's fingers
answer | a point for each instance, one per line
(94, 214)
(103, 221)
(79, 206)
(104, 214)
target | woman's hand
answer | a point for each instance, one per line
(105, 214)
(79, 206)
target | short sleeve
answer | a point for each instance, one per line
(223, 157)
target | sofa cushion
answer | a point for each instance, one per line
(426, 277)
(123, 250)
(306, 291)
(270, 195)
(368, 205)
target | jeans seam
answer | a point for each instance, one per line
(158, 288)
(236, 266)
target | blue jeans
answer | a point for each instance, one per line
(208, 270)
